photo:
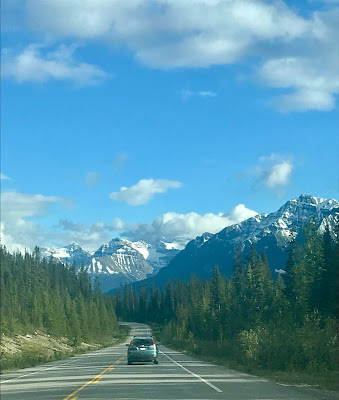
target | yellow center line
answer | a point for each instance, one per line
(96, 379)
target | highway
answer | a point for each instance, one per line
(104, 374)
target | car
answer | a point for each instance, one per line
(142, 349)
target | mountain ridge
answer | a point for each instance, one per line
(266, 232)
(116, 262)
(121, 261)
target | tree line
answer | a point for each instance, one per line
(41, 294)
(290, 323)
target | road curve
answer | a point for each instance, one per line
(104, 374)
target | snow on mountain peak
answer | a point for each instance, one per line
(319, 202)
(127, 261)
(141, 247)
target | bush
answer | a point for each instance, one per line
(312, 346)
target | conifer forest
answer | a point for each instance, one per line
(290, 323)
(284, 324)
(47, 295)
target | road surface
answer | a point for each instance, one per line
(104, 374)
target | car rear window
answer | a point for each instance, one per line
(140, 342)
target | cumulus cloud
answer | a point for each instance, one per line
(200, 33)
(89, 236)
(20, 228)
(36, 64)
(4, 177)
(273, 171)
(172, 226)
(20, 232)
(143, 191)
(170, 33)
(278, 174)
(91, 179)
(17, 231)
(307, 69)
(312, 90)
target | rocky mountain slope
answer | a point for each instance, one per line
(267, 232)
(119, 261)
(72, 253)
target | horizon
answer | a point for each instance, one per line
(187, 239)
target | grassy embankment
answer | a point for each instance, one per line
(212, 353)
(22, 351)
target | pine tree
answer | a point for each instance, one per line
(328, 285)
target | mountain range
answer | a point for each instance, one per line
(266, 232)
(122, 261)
(119, 261)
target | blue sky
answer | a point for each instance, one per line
(205, 112)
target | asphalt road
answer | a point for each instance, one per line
(104, 374)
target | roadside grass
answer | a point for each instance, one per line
(31, 350)
(321, 380)
(328, 380)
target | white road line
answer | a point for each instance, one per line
(197, 376)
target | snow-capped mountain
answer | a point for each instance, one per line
(72, 253)
(123, 255)
(287, 221)
(267, 232)
(119, 261)
(122, 261)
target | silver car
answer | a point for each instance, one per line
(142, 349)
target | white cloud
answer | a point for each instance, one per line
(17, 231)
(305, 100)
(206, 93)
(143, 191)
(312, 90)
(171, 33)
(35, 64)
(273, 171)
(89, 236)
(187, 94)
(20, 232)
(279, 174)
(200, 33)
(91, 179)
(170, 226)
(4, 177)
(173, 225)
(117, 224)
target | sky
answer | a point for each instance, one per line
(162, 118)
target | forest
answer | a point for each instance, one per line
(286, 324)
(47, 296)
